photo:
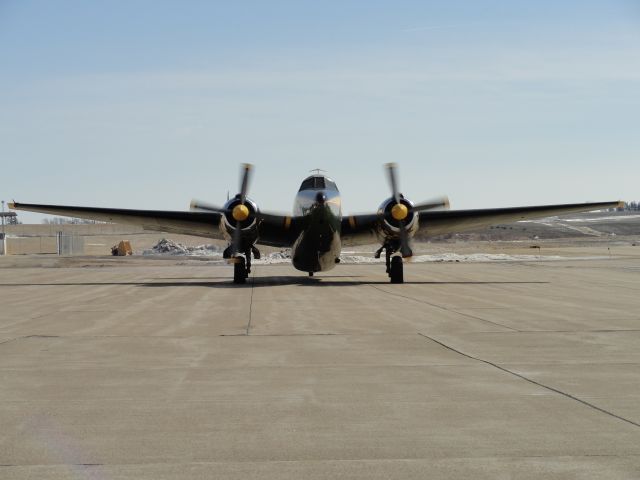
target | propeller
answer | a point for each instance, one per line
(399, 211)
(240, 212)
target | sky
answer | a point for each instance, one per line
(148, 104)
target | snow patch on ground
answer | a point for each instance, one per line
(460, 258)
(169, 247)
(618, 218)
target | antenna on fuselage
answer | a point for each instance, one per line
(317, 171)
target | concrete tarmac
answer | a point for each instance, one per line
(137, 369)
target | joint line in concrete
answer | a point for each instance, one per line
(542, 385)
(442, 308)
(253, 287)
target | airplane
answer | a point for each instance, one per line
(317, 229)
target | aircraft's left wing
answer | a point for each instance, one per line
(453, 221)
(362, 229)
(203, 224)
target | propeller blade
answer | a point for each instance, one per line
(235, 244)
(393, 182)
(405, 249)
(441, 203)
(201, 205)
(244, 184)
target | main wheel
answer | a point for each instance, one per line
(396, 272)
(239, 270)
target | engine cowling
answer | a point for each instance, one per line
(248, 226)
(389, 226)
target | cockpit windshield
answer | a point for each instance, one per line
(318, 182)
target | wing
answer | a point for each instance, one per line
(274, 230)
(278, 230)
(203, 224)
(455, 221)
(362, 229)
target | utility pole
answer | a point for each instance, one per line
(2, 218)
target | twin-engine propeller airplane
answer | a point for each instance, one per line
(317, 230)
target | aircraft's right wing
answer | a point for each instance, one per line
(455, 221)
(202, 224)
(273, 229)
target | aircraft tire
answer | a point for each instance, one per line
(396, 273)
(239, 271)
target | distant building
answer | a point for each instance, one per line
(9, 218)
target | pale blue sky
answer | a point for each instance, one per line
(147, 104)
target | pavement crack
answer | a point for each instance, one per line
(253, 288)
(442, 308)
(527, 379)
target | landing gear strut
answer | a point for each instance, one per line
(393, 263)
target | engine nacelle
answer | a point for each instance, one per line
(248, 226)
(389, 227)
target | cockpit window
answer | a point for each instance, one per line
(331, 185)
(313, 183)
(318, 183)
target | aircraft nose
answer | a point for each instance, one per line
(321, 198)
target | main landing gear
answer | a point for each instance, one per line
(393, 262)
(242, 263)
(241, 269)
